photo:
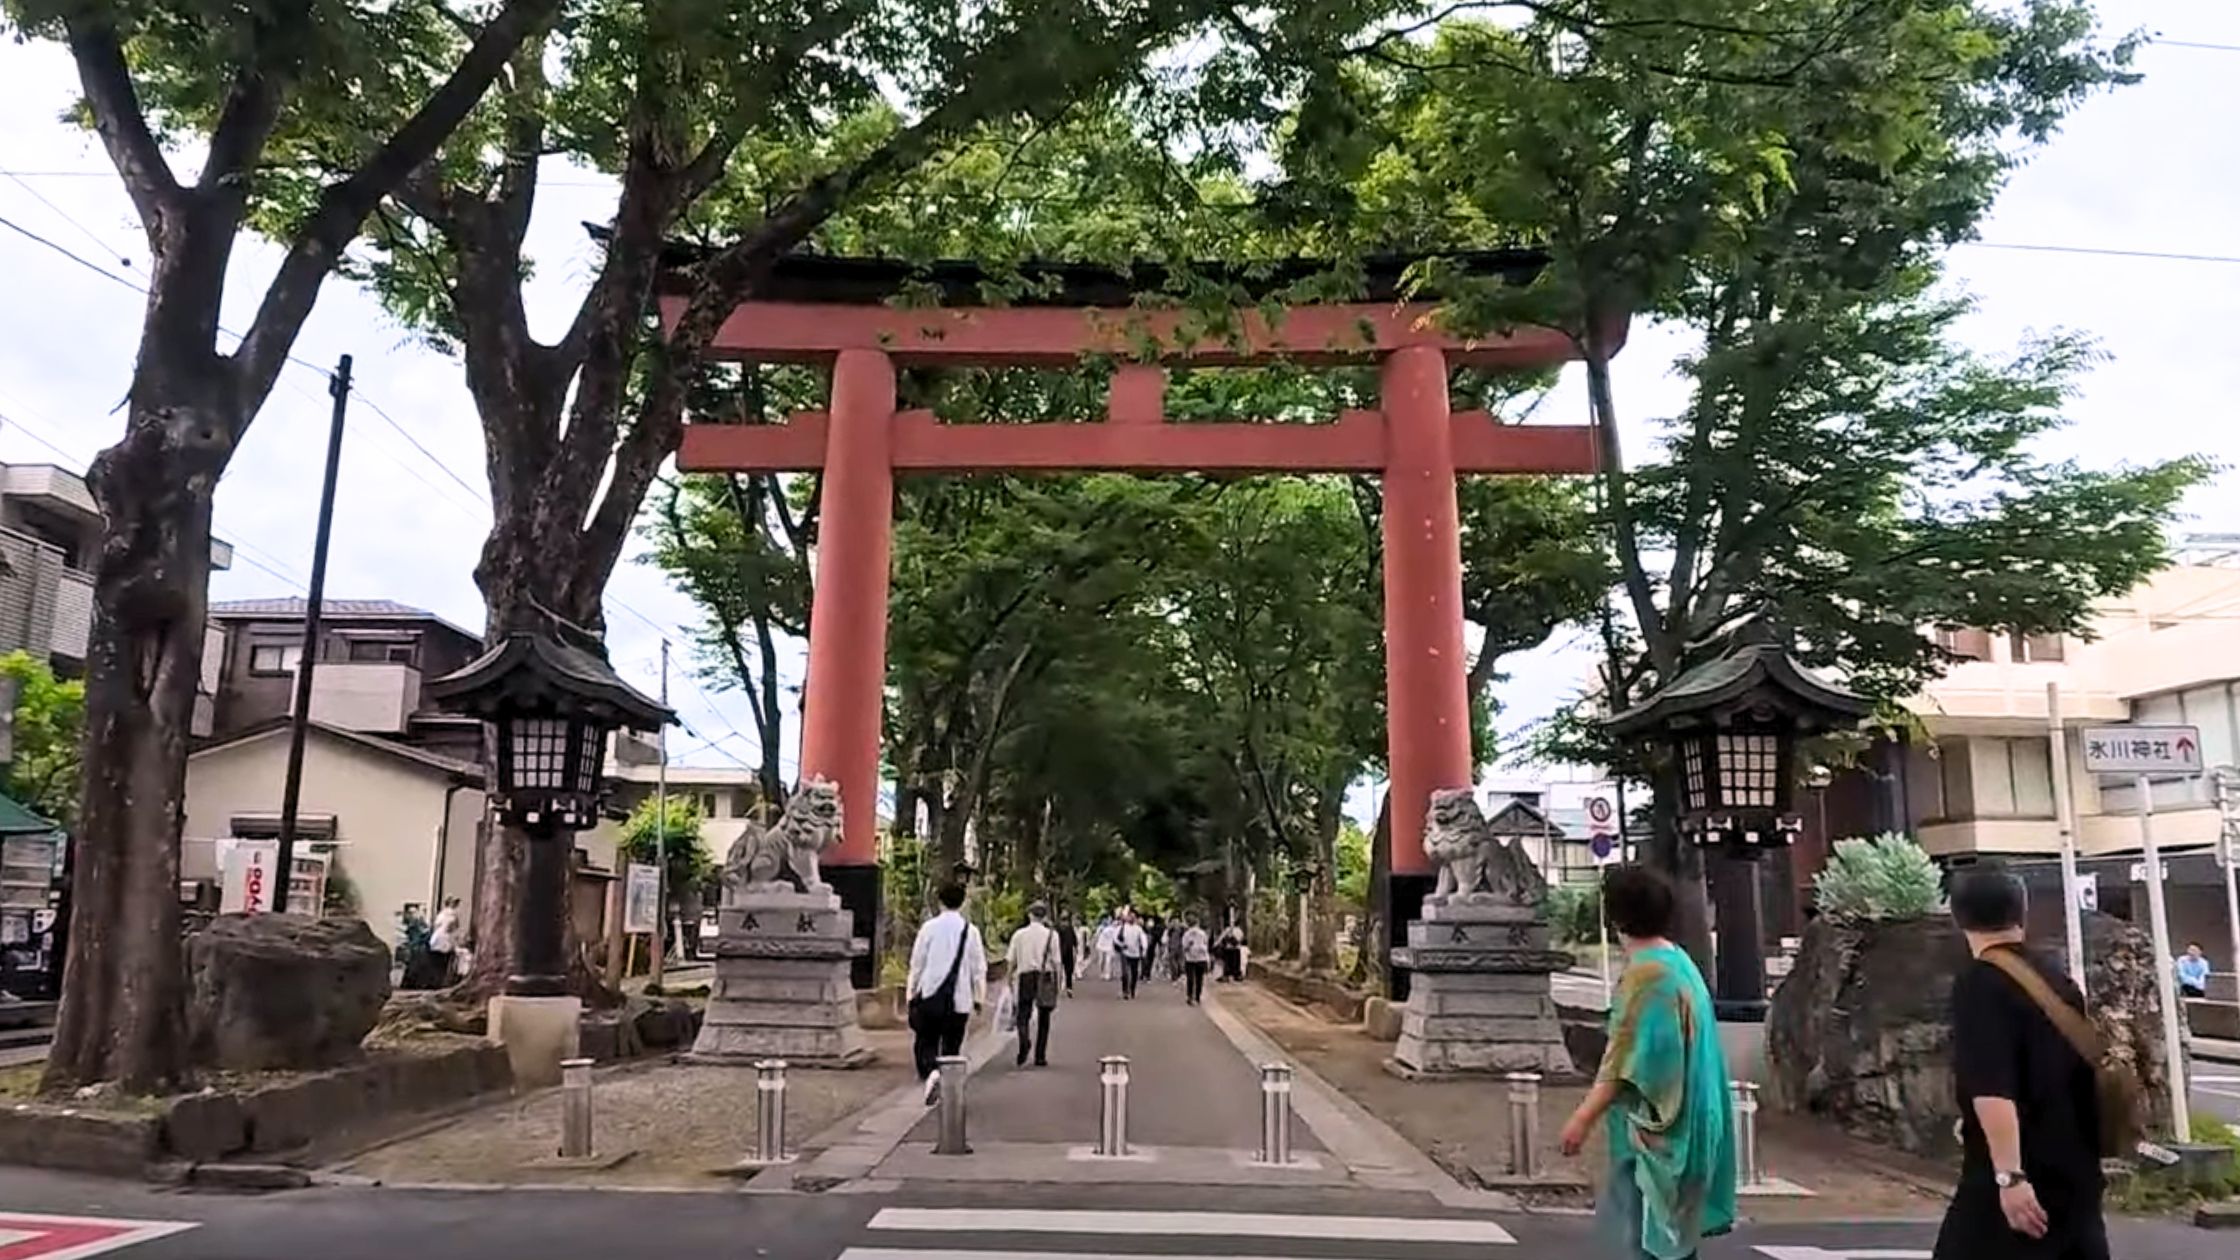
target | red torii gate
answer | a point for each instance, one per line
(839, 312)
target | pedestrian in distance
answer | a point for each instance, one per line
(1135, 949)
(2032, 1103)
(1036, 963)
(2193, 972)
(1108, 946)
(1069, 949)
(1197, 956)
(1173, 953)
(1661, 1093)
(948, 982)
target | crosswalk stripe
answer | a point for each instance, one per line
(1206, 1224)
(922, 1253)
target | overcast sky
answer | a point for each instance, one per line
(2153, 169)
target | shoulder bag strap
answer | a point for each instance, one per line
(2071, 1022)
(956, 965)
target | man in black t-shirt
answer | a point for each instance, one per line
(2030, 1180)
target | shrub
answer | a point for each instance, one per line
(1871, 881)
(1575, 913)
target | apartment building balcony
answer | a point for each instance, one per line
(375, 697)
(73, 615)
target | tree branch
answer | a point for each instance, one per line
(119, 120)
(343, 206)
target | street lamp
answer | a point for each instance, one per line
(550, 706)
(1728, 728)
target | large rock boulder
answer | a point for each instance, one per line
(283, 991)
(1861, 1030)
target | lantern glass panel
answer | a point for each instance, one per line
(1696, 769)
(540, 752)
(591, 748)
(1749, 769)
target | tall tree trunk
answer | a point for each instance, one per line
(1670, 852)
(1375, 963)
(1319, 944)
(123, 1015)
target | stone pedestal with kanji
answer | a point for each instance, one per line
(782, 987)
(1479, 997)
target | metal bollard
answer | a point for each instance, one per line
(1275, 1113)
(770, 1112)
(1524, 1124)
(1112, 1121)
(575, 1109)
(1746, 1133)
(950, 1140)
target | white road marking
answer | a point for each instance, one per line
(922, 1253)
(77, 1237)
(1823, 1253)
(1206, 1224)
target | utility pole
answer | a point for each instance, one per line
(299, 721)
(661, 831)
(2065, 823)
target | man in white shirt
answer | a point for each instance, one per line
(948, 981)
(1108, 946)
(1036, 974)
(1135, 946)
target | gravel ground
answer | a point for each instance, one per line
(1463, 1124)
(685, 1124)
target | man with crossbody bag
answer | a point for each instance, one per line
(1034, 966)
(948, 981)
(2039, 1104)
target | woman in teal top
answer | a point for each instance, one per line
(1662, 1090)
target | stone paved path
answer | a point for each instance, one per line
(1189, 1086)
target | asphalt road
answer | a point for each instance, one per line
(2216, 1090)
(959, 1222)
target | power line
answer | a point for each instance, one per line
(67, 217)
(2157, 255)
(2196, 45)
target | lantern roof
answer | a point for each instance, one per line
(1756, 673)
(537, 671)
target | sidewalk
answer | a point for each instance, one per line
(1188, 1084)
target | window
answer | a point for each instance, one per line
(1968, 645)
(380, 650)
(274, 658)
(742, 803)
(2036, 647)
(708, 805)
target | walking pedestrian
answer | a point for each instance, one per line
(443, 942)
(1197, 956)
(2030, 1100)
(948, 981)
(1069, 949)
(1035, 961)
(1108, 946)
(1134, 946)
(1173, 954)
(1231, 950)
(1661, 1094)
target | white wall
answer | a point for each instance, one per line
(386, 810)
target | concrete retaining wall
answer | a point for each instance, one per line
(265, 1122)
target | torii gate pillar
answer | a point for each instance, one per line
(1427, 692)
(844, 695)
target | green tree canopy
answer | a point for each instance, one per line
(50, 725)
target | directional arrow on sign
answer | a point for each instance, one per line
(26, 1237)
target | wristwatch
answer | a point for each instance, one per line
(2009, 1180)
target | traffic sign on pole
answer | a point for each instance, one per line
(2163, 750)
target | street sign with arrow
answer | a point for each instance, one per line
(2161, 750)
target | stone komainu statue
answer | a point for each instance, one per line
(1474, 864)
(809, 826)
